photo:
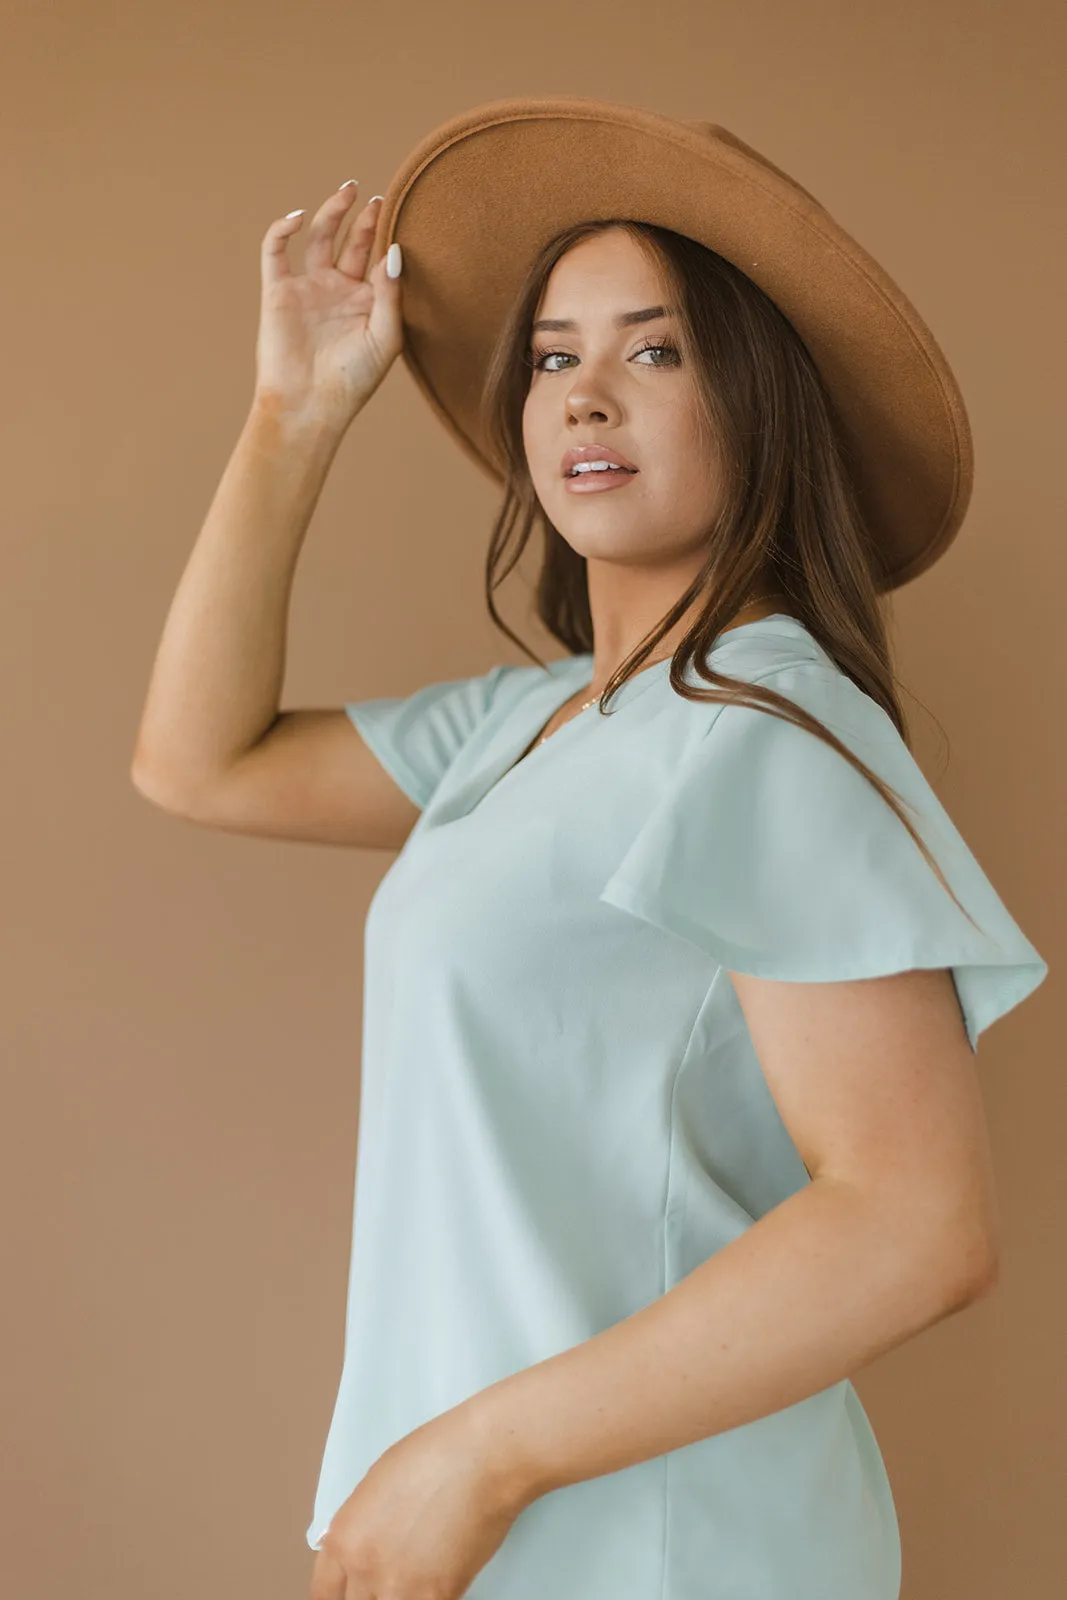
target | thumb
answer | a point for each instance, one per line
(386, 321)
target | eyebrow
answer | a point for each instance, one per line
(625, 319)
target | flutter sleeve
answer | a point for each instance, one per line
(770, 852)
(416, 737)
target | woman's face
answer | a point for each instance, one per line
(607, 383)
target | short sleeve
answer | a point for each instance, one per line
(770, 852)
(416, 737)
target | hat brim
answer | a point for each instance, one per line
(478, 196)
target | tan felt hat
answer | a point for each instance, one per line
(476, 199)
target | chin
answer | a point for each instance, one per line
(611, 544)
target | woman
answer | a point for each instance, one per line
(669, 1120)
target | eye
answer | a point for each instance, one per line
(663, 344)
(538, 357)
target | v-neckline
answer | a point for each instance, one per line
(521, 750)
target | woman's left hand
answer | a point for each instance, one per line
(423, 1520)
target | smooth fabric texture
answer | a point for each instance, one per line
(562, 1113)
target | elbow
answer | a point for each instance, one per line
(989, 1279)
(954, 1243)
(947, 1265)
(150, 788)
(142, 782)
(973, 1273)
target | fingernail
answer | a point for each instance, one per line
(393, 261)
(299, 213)
(349, 183)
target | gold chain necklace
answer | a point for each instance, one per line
(655, 660)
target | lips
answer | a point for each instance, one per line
(598, 482)
(593, 452)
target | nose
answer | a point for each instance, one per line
(586, 398)
(589, 394)
(581, 410)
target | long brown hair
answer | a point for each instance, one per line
(789, 519)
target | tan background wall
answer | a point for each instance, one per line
(181, 1007)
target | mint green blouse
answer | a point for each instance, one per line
(562, 1113)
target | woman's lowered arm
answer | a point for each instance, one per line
(875, 1080)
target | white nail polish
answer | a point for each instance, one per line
(393, 261)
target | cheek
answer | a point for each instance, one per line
(692, 462)
(680, 472)
(670, 433)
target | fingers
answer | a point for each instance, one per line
(273, 257)
(355, 251)
(322, 235)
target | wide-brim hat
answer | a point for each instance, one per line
(478, 196)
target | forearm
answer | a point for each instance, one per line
(802, 1299)
(220, 664)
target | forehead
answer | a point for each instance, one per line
(602, 275)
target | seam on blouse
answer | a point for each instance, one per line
(682, 1059)
(761, 677)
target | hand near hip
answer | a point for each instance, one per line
(422, 1522)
